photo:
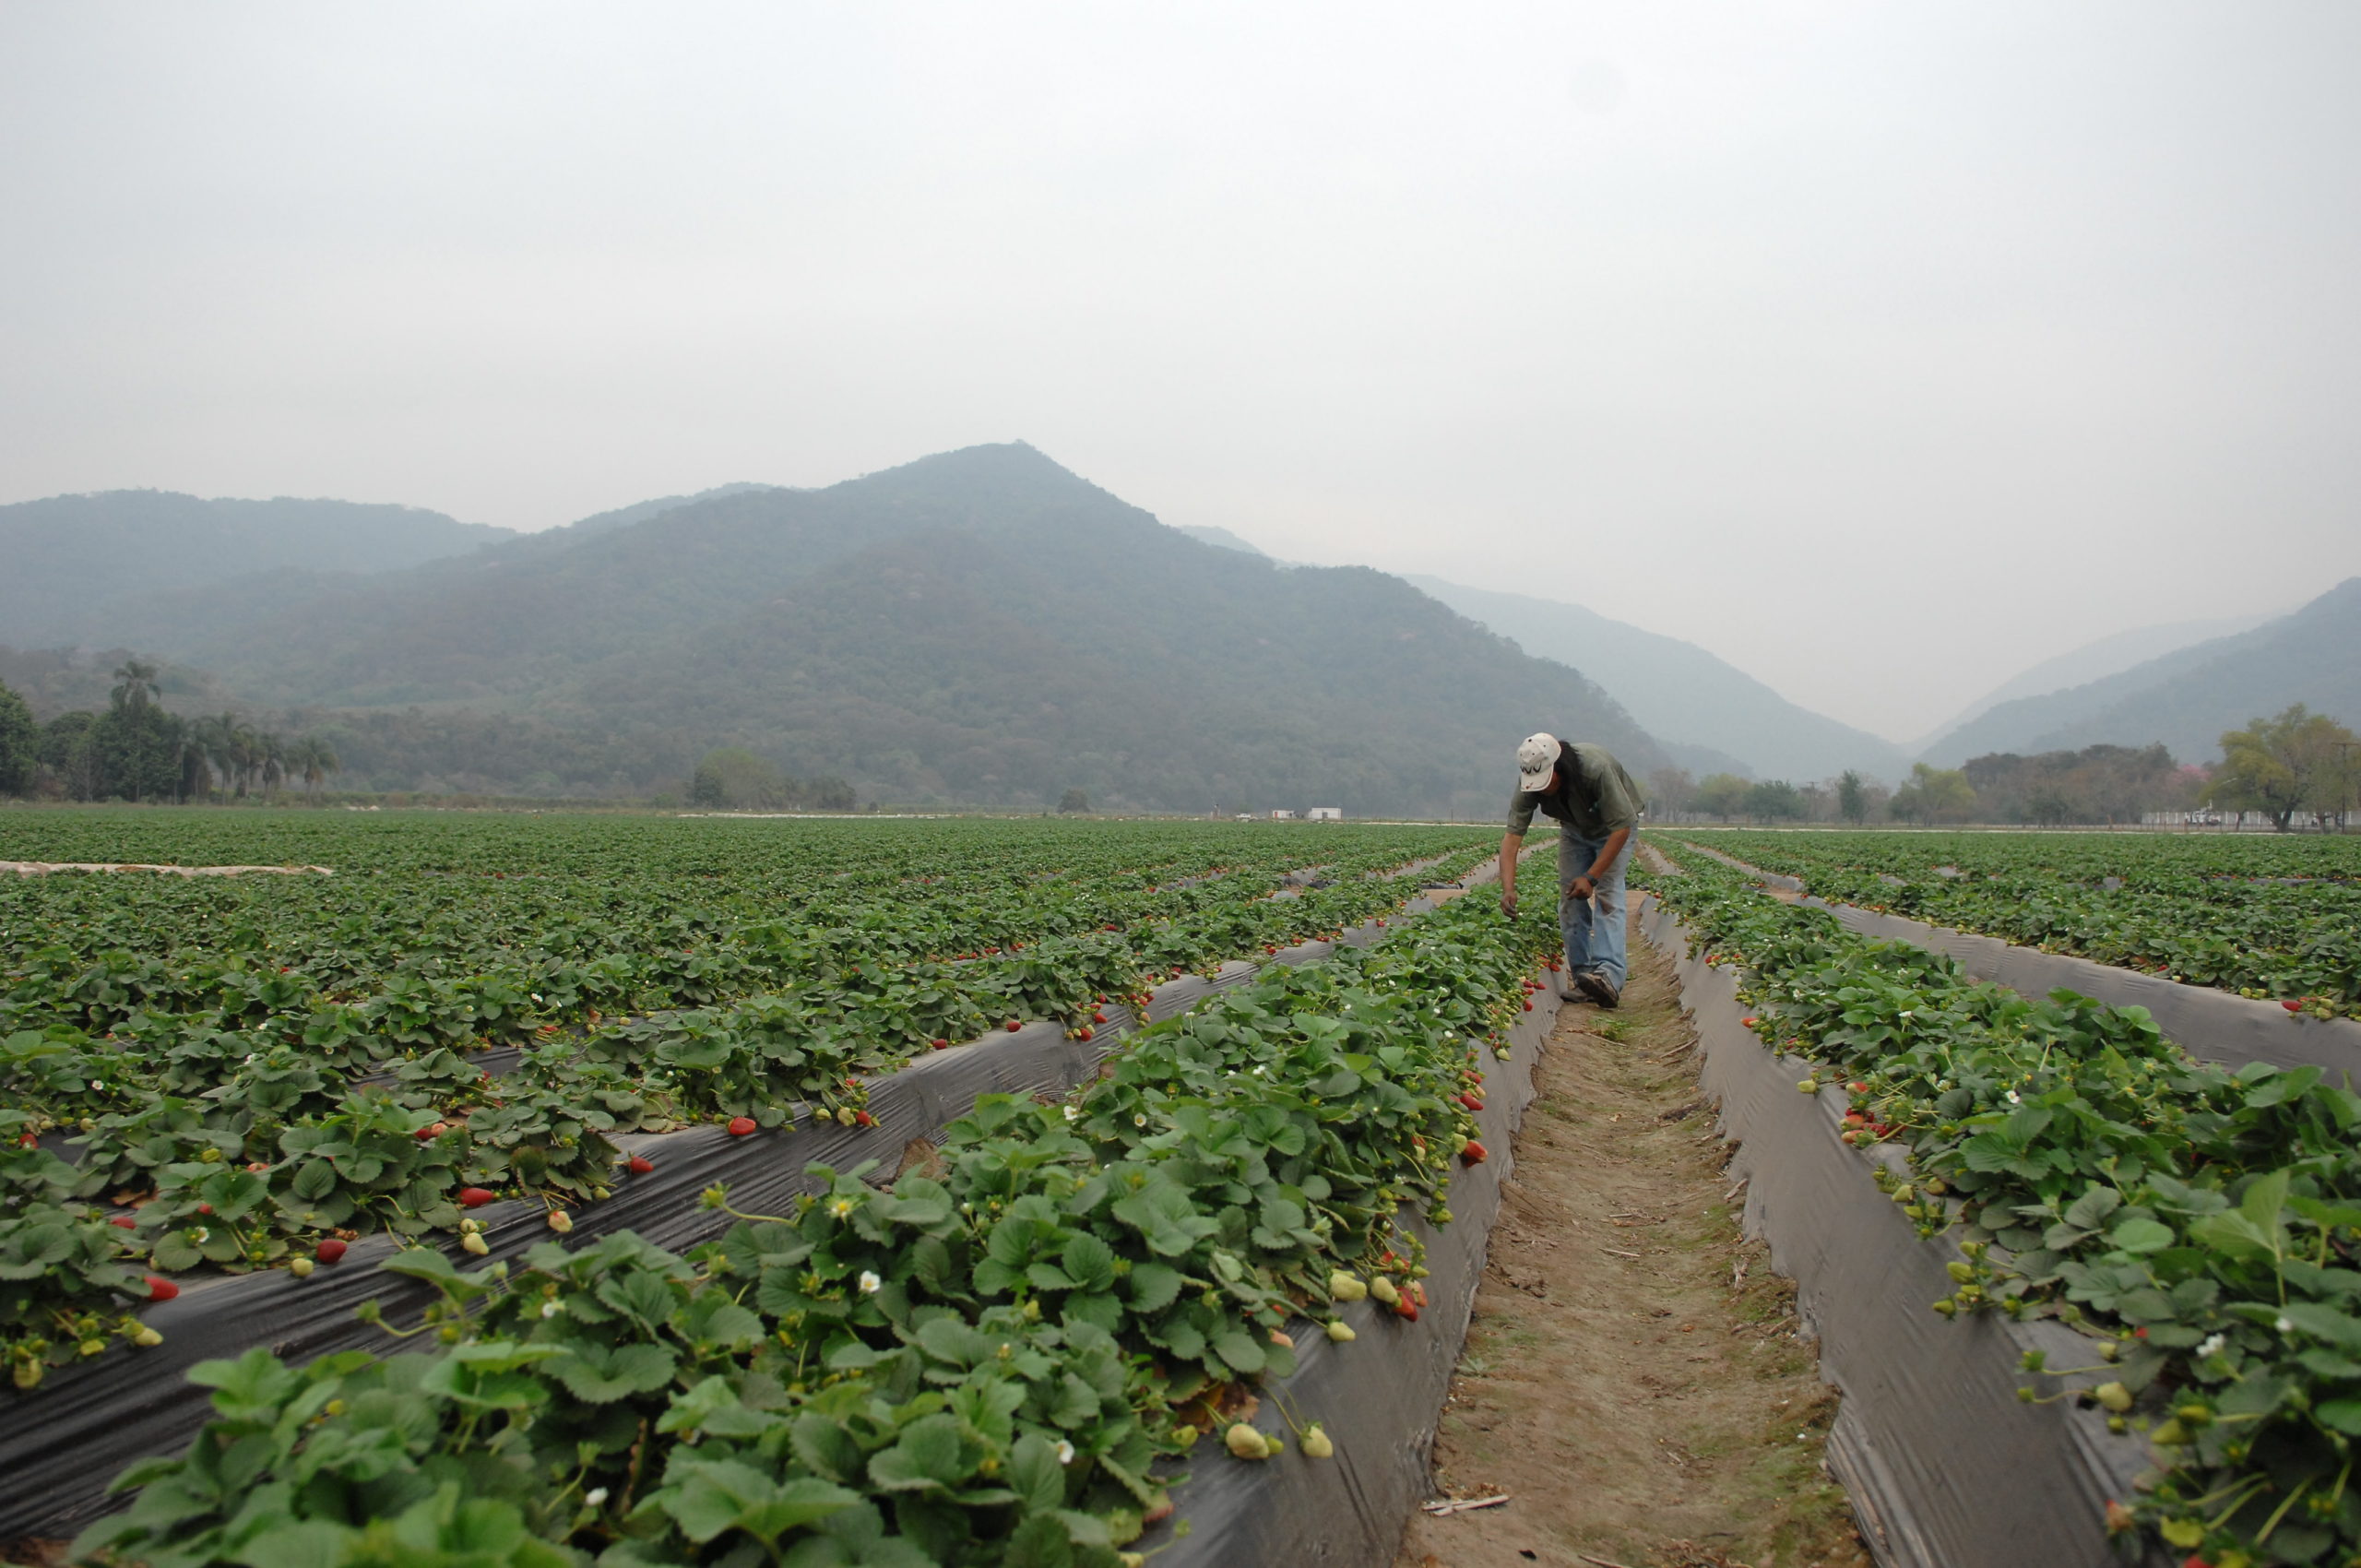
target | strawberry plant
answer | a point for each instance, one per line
(978, 1364)
(2202, 1225)
(67, 1280)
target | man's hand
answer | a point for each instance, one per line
(1581, 888)
(1508, 905)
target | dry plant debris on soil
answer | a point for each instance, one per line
(1633, 1378)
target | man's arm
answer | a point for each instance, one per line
(1512, 844)
(1585, 885)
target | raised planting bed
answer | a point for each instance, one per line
(1945, 1466)
(868, 1299)
(78, 1430)
(2199, 1228)
(1379, 1397)
(2205, 1021)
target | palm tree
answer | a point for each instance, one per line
(314, 759)
(245, 749)
(271, 754)
(138, 688)
(209, 737)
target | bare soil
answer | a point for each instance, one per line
(1633, 1379)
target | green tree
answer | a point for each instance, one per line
(1723, 794)
(2279, 766)
(733, 779)
(1073, 800)
(1933, 795)
(1775, 800)
(19, 744)
(135, 744)
(69, 756)
(1852, 798)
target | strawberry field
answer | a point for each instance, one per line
(2267, 918)
(990, 1358)
(2199, 1226)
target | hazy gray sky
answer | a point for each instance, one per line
(1882, 348)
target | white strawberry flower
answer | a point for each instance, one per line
(2211, 1346)
(2284, 1325)
(1074, 1114)
(841, 1208)
(596, 1495)
(870, 1283)
(1139, 1118)
(550, 1309)
(2011, 1097)
(1065, 1451)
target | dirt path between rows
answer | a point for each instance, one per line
(1632, 1379)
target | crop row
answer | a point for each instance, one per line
(256, 1145)
(2279, 919)
(987, 1362)
(2200, 1225)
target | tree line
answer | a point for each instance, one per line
(136, 751)
(2296, 765)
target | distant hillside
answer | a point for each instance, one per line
(980, 628)
(2187, 699)
(1700, 760)
(2096, 661)
(1209, 534)
(1681, 693)
(640, 511)
(74, 561)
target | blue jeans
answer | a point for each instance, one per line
(1593, 926)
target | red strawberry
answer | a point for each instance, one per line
(28, 1140)
(1083, 1033)
(1014, 1025)
(1474, 1153)
(1750, 1020)
(943, 1045)
(473, 1197)
(2292, 1007)
(330, 1251)
(205, 1208)
(1528, 1006)
(1857, 1089)
(124, 1221)
(740, 1125)
(640, 1165)
(1096, 1017)
(160, 1288)
(863, 1119)
(1407, 1308)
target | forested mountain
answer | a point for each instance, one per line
(981, 626)
(2187, 699)
(73, 564)
(2093, 661)
(1684, 694)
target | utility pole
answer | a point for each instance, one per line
(2343, 780)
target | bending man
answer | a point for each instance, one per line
(1596, 807)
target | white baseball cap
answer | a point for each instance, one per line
(1536, 758)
